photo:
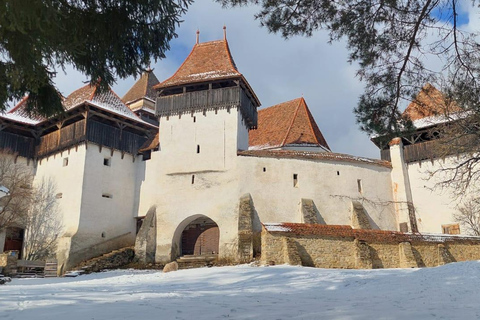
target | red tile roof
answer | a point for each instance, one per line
(313, 156)
(429, 102)
(284, 124)
(345, 231)
(151, 143)
(207, 61)
(143, 88)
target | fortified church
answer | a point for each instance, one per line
(189, 166)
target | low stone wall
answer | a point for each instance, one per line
(329, 246)
(8, 263)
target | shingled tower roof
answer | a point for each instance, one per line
(287, 123)
(428, 103)
(206, 62)
(143, 88)
(208, 79)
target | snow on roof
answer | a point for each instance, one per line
(310, 155)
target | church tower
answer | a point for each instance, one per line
(205, 109)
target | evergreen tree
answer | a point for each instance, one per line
(390, 40)
(103, 39)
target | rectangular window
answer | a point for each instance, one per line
(451, 228)
(107, 162)
(198, 148)
(107, 195)
(193, 178)
(295, 180)
(404, 227)
(359, 185)
(65, 162)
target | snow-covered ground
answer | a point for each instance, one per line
(245, 292)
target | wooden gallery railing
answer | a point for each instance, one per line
(108, 136)
(189, 102)
(415, 152)
(23, 146)
(62, 138)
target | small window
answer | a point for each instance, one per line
(194, 119)
(59, 195)
(295, 180)
(359, 185)
(65, 162)
(264, 169)
(338, 173)
(198, 148)
(107, 195)
(193, 178)
(104, 234)
(107, 162)
(451, 228)
(403, 227)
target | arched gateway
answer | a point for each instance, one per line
(200, 237)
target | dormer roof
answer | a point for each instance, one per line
(429, 102)
(143, 88)
(206, 62)
(287, 123)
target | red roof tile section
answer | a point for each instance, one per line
(151, 143)
(143, 88)
(344, 231)
(313, 156)
(207, 61)
(429, 102)
(284, 124)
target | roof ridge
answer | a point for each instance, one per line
(291, 123)
(94, 91)
(119, 99)
(19, 104)
(179, 68)
(230, 58)
(309, 119)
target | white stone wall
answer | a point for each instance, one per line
(68, 178)
(434, 207)
(184, 184)
(332, 185)
(108, 197)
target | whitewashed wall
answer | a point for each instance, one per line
(434, 207)
(332, 185)
(167, 181)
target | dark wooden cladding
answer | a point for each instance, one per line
(195, 101)
(62, 138)
(420, 151)
(109, 136)
(415, 152)
(96, 132)
(21, 145)
(385, 155)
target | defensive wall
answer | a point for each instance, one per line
(341, 246)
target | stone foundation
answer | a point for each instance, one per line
(329, 246)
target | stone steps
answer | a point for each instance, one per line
(191, 261)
